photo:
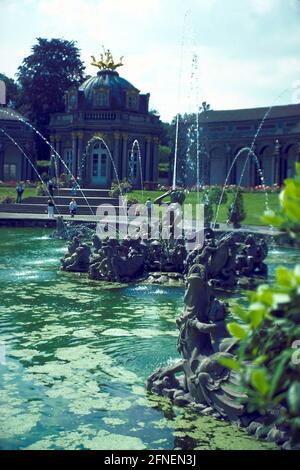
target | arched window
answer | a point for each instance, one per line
(133, 158)
(68, 158)
(132, 100)
(100, 164)
(101, 98)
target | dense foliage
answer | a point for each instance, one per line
(288, 219)
(269, 331)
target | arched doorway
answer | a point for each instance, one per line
(291, 158)
(99, 164)
(12, 166)
(266, 165)
(217, 166)
(242, 170)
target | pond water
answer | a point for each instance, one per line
(75, 354)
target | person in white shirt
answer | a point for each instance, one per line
(149, 206)
(149, 211)
(73, 207)
(50, 209)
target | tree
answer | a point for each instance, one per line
(12, 91)
(53, 67)
(236, 212)
(217, 196)
(164, 161)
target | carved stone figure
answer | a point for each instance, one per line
(117, 261)
(229, 256)
(73, 245)
(78, 259)
(251, 256)
(203, 340)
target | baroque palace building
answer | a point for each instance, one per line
(277, 145)
(106, 131)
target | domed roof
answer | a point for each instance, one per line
(110, 80)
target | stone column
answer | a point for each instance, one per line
(58, 164)
(205, 162)
(116, 156)
(30, 174)
(277, 162)
(23, 164)
(148, 158)
(253, 167)
(52, 154)
(155, 159)
(74, 154)
(79, 153)
(125, 156)
(1, 162)
(228, 151)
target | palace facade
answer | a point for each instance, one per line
(106, 132)
(274, 135)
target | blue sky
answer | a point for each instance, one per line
(230, 53)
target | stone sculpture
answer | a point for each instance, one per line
(78, 257)
(203, 340)
(117, 261)
(252, 255)
(229, 257)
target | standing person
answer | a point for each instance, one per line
(149, 209)
(74, 189)
(73, 207)
(20, 190)
(50, 209)
(50, 187)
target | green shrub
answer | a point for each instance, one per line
(132, 201)
(288, 219)
(268, 331)
(41, 190)
(7, 199)
(236, 211)
(117, 189)
(43, 164)
(163, 170)
(215, 195)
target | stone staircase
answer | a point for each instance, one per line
(88, 200)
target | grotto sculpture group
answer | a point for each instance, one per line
(227, 259)
(221, 262)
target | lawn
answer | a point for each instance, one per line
(11, 191)
(255, 204)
